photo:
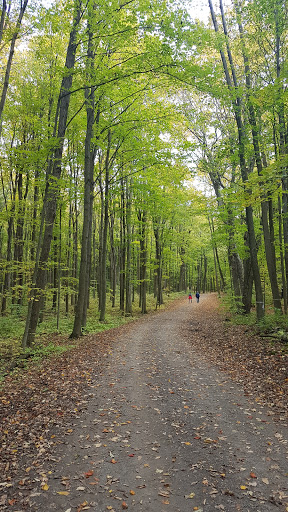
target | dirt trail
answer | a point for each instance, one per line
(165, 430)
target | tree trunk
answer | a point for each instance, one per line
(10, 231)
(128, 274)
(236, 104)
(103, 291)
(284, 282)
(269, 247)
(7, 273)
(113, 263)
(52, 188)
(143, 262)
(11, 54)
(55, 273)
(158, 247)
(122, 249)
(283, 143)
(85, 262)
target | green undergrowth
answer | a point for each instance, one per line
(51, 342)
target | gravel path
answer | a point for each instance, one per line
(165, 430)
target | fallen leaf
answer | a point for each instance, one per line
(89, 473)
(83, 506)
(190, 496)
(45, 487)
(132, 492)
(253, 475)
(124, 505)
(63, 493)
(165, 494)
(243, 487)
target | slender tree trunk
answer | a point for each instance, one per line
(236, 104)
(10, 231)
(54, 271)
(103, 291)
(128, 274)
(7, 274)
(157, 234)
(34, 217)
(284, 282)
(68, 272)
(52, 189)
(85, 262)
(122, 249)
(15, 34)
(59, 269)
(113, 262)
(2, 19)
(18, 243)
(269, 247)
(143, 261)
(183, 270)
(283, 142)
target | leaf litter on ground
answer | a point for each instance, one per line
(41, 401)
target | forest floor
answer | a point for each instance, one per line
(178, 411)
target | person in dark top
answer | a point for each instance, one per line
(197, 296)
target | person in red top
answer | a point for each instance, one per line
(190, 297)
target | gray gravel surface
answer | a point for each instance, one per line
(165, 430)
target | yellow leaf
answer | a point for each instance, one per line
(63, 493)
(45, 487)
(132, 492)
(190, 496)
(243, 487)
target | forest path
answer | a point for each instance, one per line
(165, 430)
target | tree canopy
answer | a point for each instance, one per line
(142, 152)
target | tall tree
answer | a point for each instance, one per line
(53, 176)
(237, 109)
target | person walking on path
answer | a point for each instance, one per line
(197, 296)
(190, 297)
